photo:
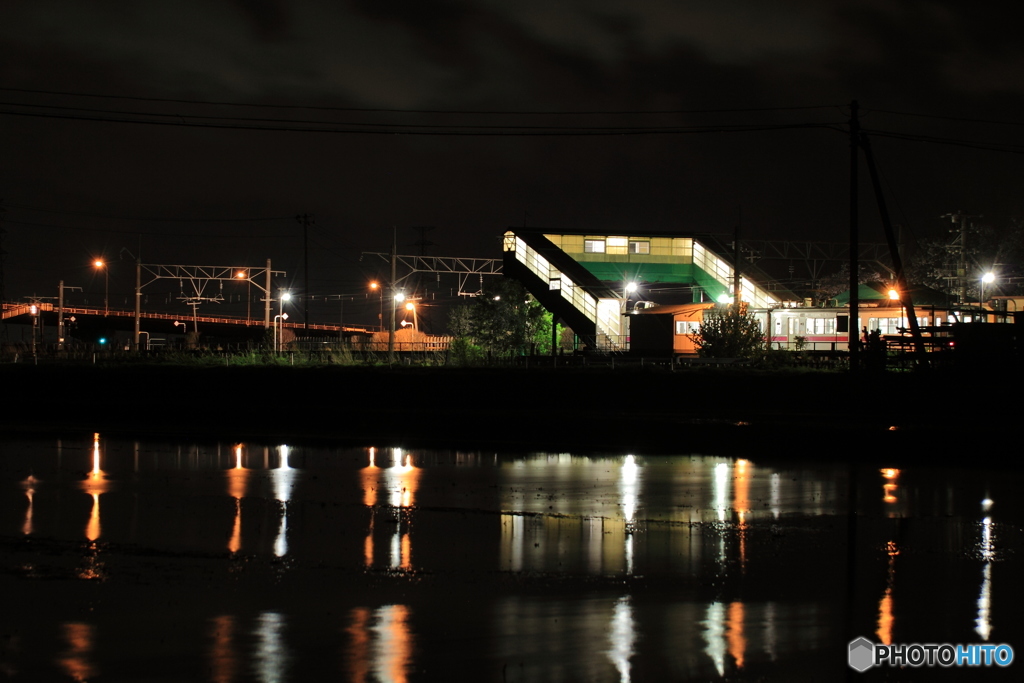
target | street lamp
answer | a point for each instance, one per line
(99, 263)
(415, 321)
(278, 336)
(986, 279)
(380, 292)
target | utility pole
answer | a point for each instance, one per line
(306, 220)
(60, 314)
(853, 340)
(959, 247)
(394, 275)
(267, 296)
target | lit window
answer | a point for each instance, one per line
(593, 246)
(640, 247)
(617, 241)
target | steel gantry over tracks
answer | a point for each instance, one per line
(464, 267)
(199, 277)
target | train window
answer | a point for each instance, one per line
(843, 323)
(593, 246)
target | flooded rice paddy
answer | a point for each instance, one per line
(224, 562)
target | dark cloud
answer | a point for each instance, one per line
(949, 58)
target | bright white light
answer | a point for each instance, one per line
(631, 287)
(399, 296)
(286, 296)
(988, 278)
(724, 299)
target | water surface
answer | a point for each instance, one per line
(268, 562)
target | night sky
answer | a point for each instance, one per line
(467, 117)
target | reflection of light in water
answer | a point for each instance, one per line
(283, 478)
(369, 481)
(721, 504)
(381, 643)
(271, 656)
(737, 640)
(629, 488)
(95, 484)
(223, 662)
(741, 504)
(359, 647)
(775, 500)
(392, 648)
(29, 485)
(986, 547)
(890, 474)
(886, 617)
(238, 479)
(75, 660)
(725, 628)
(401, 480)
(983, 624)
(513, 537)
(771, 638)
(622, 636)
(714, 633)
(721, 501)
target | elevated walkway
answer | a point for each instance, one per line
(564, 287)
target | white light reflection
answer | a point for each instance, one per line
(775, 500)
(721, 501)
(401, 481)
(714, 635)
(622, 636)
(283, 478)
(271, 656)
(629, 488)
(392, 647)
(986, 548)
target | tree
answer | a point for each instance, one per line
(505, 320)
(729, 332)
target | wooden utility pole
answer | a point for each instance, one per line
(853, 339)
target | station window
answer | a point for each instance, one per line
(593, 246)
(687, 327)
(640, 247)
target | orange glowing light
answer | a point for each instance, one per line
(374, 285)
(240, 275)
(894, 295)
(98, 263)
(890, 472)
(409, 306)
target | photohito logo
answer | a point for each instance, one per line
(863, 654)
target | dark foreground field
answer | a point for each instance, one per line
(937, 416)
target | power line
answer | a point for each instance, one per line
(363, 128)
(497, 112)
(129, 231)
(161, 220)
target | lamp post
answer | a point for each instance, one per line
(99, 263)
(277, 331)
(987, 279)
(242, 275)
(410, 306)
(380, 291)
(282, 316)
